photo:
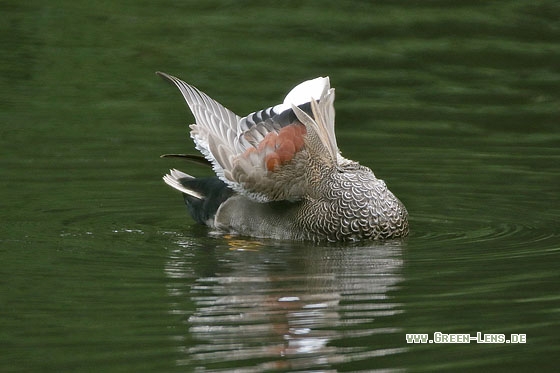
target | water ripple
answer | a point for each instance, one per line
(514, 238)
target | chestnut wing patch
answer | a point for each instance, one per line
(278, 148)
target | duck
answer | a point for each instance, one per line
(279, 173)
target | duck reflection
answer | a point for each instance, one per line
(250, 306)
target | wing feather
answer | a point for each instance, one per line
(266, 154)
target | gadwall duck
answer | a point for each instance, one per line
(280, 174)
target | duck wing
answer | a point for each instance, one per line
(267, 154)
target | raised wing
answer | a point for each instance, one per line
(266, 155)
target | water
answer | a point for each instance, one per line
(455, 105)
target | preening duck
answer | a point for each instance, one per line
(280, 174)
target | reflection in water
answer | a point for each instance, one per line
(254, 307)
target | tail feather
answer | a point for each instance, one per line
(203, 196)
(194, 158)
(179, 180)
